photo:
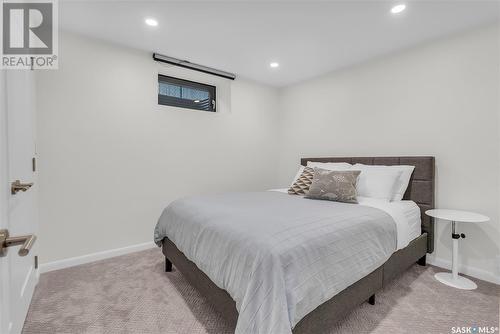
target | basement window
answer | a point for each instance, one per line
(187, 94)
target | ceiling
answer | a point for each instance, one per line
(306, 38)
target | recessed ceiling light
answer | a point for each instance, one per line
(274, 65)
(151, 22)
(398, 8)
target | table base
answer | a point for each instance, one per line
(460, 282)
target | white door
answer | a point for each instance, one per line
(19, 211)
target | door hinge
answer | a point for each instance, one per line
(33, 164)
(36, 261)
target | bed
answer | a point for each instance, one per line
(204, 262)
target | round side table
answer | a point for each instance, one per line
(456, 216)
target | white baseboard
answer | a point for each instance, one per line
(467, 270)
(74, 261)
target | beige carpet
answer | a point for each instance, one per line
(132, 294)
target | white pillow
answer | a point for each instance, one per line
(403, 179)
(329, 165)
(377, 183)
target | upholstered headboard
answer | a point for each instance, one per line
(420, 189)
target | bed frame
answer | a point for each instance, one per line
(420, 190)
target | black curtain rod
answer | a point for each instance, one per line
(193, 66)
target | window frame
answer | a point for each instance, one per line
(190, 84)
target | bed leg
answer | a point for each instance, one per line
(422, 261)
(371, 300)
(168, 265)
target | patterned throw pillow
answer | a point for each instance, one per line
(337, 186)
(301, 185)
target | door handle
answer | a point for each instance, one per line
(6, 241)
(17, 186)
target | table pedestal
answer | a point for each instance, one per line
(453, 279)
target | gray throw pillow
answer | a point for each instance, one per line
(331, 185)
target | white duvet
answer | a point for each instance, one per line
(406, 215)
(278, 256)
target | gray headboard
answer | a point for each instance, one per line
(420, 189)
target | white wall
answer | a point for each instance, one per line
(110, 158)
(440, 99)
